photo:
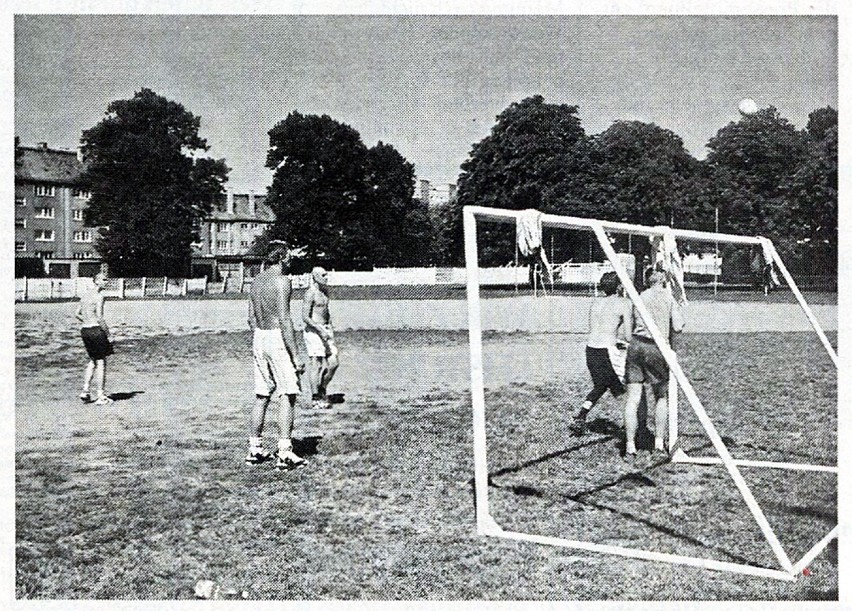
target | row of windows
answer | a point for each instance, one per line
(47, 212)
(47, 235)
(226, 227)
(50, 191)
(224, 245)
(48, 254)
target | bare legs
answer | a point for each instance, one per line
(631, 418)
(320, 374)
(97, 370)
(286, 416)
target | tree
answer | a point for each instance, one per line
(345, 204)
(752, 161)
(533, 147)
(150, 190)
(813, 195)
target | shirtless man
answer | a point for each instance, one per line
(95, 333)
(319, 337)
(277, 363)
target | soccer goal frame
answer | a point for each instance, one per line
(486, 524)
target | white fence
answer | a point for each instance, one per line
(43, 289)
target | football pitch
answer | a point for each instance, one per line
(142, 498)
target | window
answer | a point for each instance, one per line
(20, 201)
(44, 254)
(21, 223)
(45, 191)
(244, 226)
(80, 194)
(44, 235)
(77, 214)
(20, 246)
(45, 212)
(84, 255)
(244, 244)
(223, 226)
(82, 236)
(222, 245)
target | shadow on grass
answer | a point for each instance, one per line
(124, 396)
(307, 446)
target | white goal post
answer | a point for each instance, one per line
(486, 525)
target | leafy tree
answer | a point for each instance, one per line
(813, 195)
(752, 161)
(347, 205)
(149, 188)
(533, 147)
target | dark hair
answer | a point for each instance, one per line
(609, 283)
(278, 251)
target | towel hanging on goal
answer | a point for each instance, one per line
(667, 259)
(769, 260)
(528, 235)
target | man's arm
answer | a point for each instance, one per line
(678, 322)
(285, 321)
(99, 305)
(79, 312)
(252, 318)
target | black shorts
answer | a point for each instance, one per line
(645, 363)
(96, 342)
(603, 375)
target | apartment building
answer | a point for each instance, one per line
(49, 206)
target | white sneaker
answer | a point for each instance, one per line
(287, 461)
(103, 400)
(257, 456)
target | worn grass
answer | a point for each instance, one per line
(132, 505)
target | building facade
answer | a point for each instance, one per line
(49, 206)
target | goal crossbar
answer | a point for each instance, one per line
(485, 522)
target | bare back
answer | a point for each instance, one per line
(90, 309)
(270, 299)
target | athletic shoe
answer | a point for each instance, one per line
(257, 456)
(85, 397)
(103, 400)
(287, 461)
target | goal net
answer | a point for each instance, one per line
(750, 473)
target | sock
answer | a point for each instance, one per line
(285, 445)
(255, 443)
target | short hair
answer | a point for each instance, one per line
(609, 283)
(278, 253)
(655, 277)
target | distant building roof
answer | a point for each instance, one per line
(42, 164)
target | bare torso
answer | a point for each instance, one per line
(270, 297)
(90, 309)
(316, 301)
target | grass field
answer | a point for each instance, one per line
(143, 498)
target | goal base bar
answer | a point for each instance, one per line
(681, 457)
(626, 552)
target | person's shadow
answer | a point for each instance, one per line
(307, 446)
(124, 396)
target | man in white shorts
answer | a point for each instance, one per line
(277, 363)
(319, 337)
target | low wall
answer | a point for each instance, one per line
(527, 314)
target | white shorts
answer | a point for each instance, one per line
(317, 347)
(273, 368)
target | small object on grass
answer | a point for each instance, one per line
(206, 589)
(807, 572)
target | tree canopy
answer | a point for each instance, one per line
(347, 205)
(150, 188)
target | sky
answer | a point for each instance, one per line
(429, 85)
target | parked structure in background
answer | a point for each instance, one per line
(227, 236)
(434, 197)
(49, 204)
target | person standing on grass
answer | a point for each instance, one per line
(277, 363)
(319, 337)
(95, 333)
(645, 362)
(610, 324)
